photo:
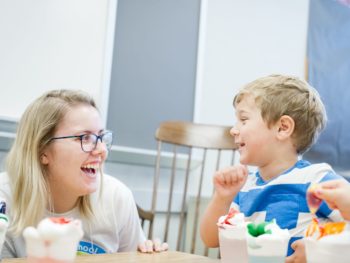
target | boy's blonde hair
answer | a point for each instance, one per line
(28, 181)
(278, 95)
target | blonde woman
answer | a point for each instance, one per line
(54, 168)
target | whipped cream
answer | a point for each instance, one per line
(54, 238)
(232, 219)
(270, 233)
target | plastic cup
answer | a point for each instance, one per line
(270, 251)
(53, 243)
(233, 244)
(324, 252)
(3, 228)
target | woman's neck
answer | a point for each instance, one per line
(61, 203)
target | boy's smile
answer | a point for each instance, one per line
(254, 139)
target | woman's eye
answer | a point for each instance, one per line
(86, 138)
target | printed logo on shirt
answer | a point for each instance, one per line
(88, 248)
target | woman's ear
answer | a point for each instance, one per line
(43, 159)
(285, 126)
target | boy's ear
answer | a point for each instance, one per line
(285, 127)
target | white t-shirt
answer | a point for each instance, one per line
(116, 229)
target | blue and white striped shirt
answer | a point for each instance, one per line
(284, 198)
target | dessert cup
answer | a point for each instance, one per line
(55, 240)
(269, 251)
(233, 244)
(4, 223)
(331, 248)
(3, 228)
(267, 243)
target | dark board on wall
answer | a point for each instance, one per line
(329, 67)
(154, 68)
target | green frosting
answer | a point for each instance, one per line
(258, 229)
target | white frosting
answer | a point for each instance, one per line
(273, 244)
(53, 240)
(236, 220)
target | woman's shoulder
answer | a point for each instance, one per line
(112, 185)
(4, 182)
(111, 181)
(3, 177)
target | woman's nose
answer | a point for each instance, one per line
(100, 148)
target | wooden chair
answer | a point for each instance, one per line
(193, 145)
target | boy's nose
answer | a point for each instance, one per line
(234, 131)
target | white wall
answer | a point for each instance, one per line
(50, 44)
(47, 44)
(243, 40)
(240, 41)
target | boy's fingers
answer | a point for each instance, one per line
(243, 173)
(295, 244)
(220, 177)
(289, 259)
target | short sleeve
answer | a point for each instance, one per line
(130, 231)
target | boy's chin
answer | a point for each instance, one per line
(244, 161)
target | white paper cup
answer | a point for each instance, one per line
(233, 244)
(268, 251)
(320, 252)
(53, 243)
(3, 228)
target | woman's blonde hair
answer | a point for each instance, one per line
(27, 178)
(278, 95)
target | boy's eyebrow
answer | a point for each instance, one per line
(241, 112)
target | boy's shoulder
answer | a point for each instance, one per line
(303, 172)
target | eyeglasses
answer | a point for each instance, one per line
(89, 140)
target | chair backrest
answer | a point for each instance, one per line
(193, 147)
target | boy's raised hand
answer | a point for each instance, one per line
(229, 181)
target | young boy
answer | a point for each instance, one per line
(278, 119)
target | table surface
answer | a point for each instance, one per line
(131, 257)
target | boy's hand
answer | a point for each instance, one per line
(336, 193)
(229, 181)
(299, 252)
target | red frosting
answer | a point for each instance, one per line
(60, 220)
(231, 213)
